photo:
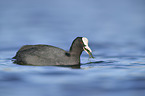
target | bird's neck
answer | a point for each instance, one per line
(76, 49)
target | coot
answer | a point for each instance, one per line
(49, 55)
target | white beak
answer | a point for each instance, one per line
(86, 47)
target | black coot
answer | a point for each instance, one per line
(50, 55)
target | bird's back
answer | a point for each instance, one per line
(43, 55)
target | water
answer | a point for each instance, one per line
(115, 30)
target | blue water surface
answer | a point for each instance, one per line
(116, 33)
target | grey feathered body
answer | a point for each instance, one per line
(45, 55)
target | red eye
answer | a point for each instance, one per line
(81, 42)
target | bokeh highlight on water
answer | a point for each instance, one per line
(116, 33)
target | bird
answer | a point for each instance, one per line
(45, 55)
